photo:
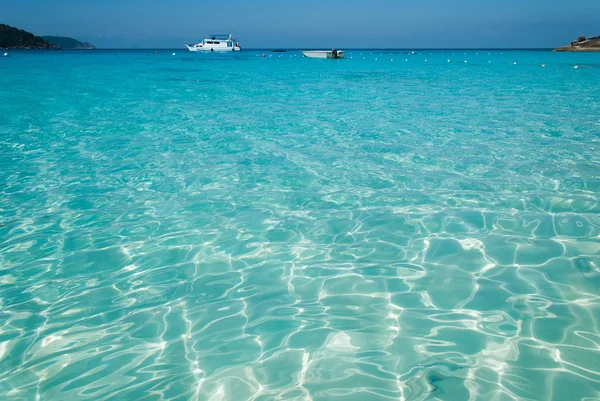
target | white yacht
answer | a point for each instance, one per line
(216, 43)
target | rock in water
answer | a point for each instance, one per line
(582, 44)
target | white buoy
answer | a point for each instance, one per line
(576, 66)
(425, 60)
(392, 60)
(5, 54)
(543, 65)
(406, 60)
(465, 61)
(515, 63)
(173, 53)
(448, 60)
(376, 59)
(489, 61)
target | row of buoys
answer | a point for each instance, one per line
(270, 55)
(406, 60)
(431, 54)
(449, 61)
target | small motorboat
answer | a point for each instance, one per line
(323, 53)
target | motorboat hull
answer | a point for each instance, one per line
(323, 54)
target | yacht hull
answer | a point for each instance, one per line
(208, 49)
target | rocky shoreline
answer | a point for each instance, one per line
(582, 44)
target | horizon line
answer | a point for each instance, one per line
(311, 48)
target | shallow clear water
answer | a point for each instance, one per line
(246, 228)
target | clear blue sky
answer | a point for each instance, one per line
(310, 23)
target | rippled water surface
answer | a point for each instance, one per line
(387, 227)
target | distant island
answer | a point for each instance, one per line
(68, 43)
(582, 44)
(14, 38)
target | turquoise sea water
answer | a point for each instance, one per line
(205, 227)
